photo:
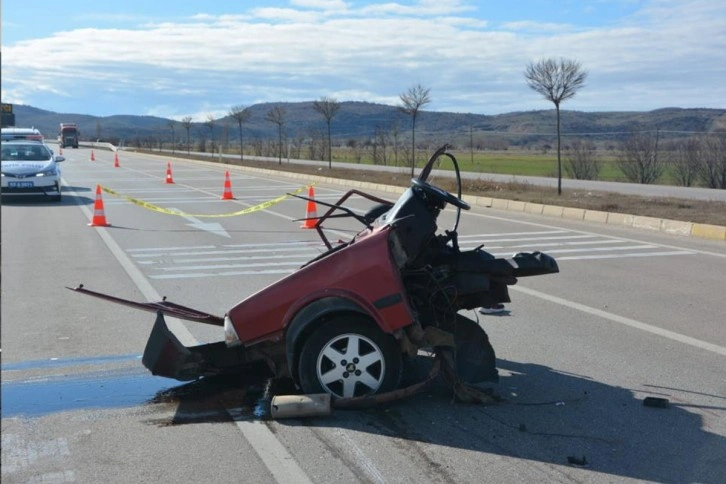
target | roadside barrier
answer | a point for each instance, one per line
(155, 208)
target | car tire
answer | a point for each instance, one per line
(57, 198)
(349, 356)
(475, 359)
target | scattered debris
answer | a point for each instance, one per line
(295, 406)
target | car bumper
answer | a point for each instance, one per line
(37, 185)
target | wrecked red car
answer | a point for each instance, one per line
(345, 322)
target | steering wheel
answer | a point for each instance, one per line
(440, 194)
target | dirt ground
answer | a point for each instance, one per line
(698, 211)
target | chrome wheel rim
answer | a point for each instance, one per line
(350, 365)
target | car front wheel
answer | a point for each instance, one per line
(57, 198)
(349, 356)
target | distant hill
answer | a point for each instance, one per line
(361, 120)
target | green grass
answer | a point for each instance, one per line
(508, 162)
(504, 163)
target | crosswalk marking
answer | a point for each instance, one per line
(277, 258)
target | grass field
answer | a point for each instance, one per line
(519, 162)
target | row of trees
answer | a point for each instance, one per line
(556, 80)
(641, 157)
(412, 100)
(644, 158)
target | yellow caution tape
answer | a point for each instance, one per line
(155, 208)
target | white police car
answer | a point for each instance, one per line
(9, 134)
(30, 167)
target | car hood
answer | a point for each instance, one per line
(26, 167)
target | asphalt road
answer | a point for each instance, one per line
(632, 314)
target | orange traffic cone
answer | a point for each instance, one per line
(227, 195)
(99, 217)
(169, 179)
(311, 213)
(60, 150)
(93, 157)
(115, 160)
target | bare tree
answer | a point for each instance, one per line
(296, 146)
(380, 145)
(328, 108)
(224, 138)
(316, 146)
(471, 143)
(172, 126)
(412, 101)
(582, 161)
(686, 157)
(395, 133)
(713, 166)
(187, 123)
(241, 114)
(211, 123)
(276, 115)
(557, 81)
(257, 146)
(638, 159)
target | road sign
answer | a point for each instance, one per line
(8, 117)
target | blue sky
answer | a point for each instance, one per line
(193, 58)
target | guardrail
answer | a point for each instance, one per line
(89, 144)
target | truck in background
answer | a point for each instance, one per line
(68, 135)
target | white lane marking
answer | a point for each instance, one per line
(594, 234)
(572, 249)
(225, 274)
(367, 464)
(509, 234)
(202, 261)
(156, 249)
(19, 454)
(620, 256)
(238, 258)
(563, 244)
(229, 252)
(272, 453)
(174, 324)
(211, 227)
(602, 249)
(261, 440)
(233, 266)
(556, 237)
(672, 335)
(314, 243)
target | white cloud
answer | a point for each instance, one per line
(537, 27)
(320, 4)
